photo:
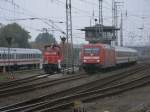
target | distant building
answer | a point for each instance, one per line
(100, 33)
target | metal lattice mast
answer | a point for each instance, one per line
(69, 33)
(115, 9)
(101, 18)
(116, 21)
(121, 31)
(113, 19)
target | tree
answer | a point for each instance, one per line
(20, 37)
(45, 38)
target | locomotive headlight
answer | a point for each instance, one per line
(84, 60)
(98, 61)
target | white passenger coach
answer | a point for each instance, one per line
(16, 58)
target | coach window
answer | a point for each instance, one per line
(36, 55)
(0, 56)
(16, 56)
(19, 56)
(9, 56)
(40, 56)
(22, 56)
(5, 56)
(27, 56)
(12, 56)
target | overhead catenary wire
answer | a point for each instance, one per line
(31, 15)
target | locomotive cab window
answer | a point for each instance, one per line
(92, 51)
(95, 51)
(87, 50)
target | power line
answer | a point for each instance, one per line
(77, 9)
(95, 4)
(43, 20)
(12, 2)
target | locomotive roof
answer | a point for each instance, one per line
(117, 48)
(20, 50)
(125, 49)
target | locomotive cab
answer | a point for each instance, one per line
(91, 54)
(52, 59)
(97, 56)
(91, 57)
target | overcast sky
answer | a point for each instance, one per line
(136, 16)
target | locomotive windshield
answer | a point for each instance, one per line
(91, 51)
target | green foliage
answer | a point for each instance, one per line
(19, 36)
(45, 38)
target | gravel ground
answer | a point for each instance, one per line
(36, 93)
(137, 100)
(4, 77)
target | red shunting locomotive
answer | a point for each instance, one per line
(52, 58)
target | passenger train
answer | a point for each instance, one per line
(100, 56)
(15, 58)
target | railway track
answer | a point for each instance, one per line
(30, 87)
(36, 103)
(91, 95)
(15, 83)
(62, 102)
(5, 85)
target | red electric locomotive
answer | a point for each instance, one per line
(52, 58)
(94, 56)
(99, 56)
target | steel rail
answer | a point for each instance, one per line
(92, 95)
(24, 105)
(44, 84)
